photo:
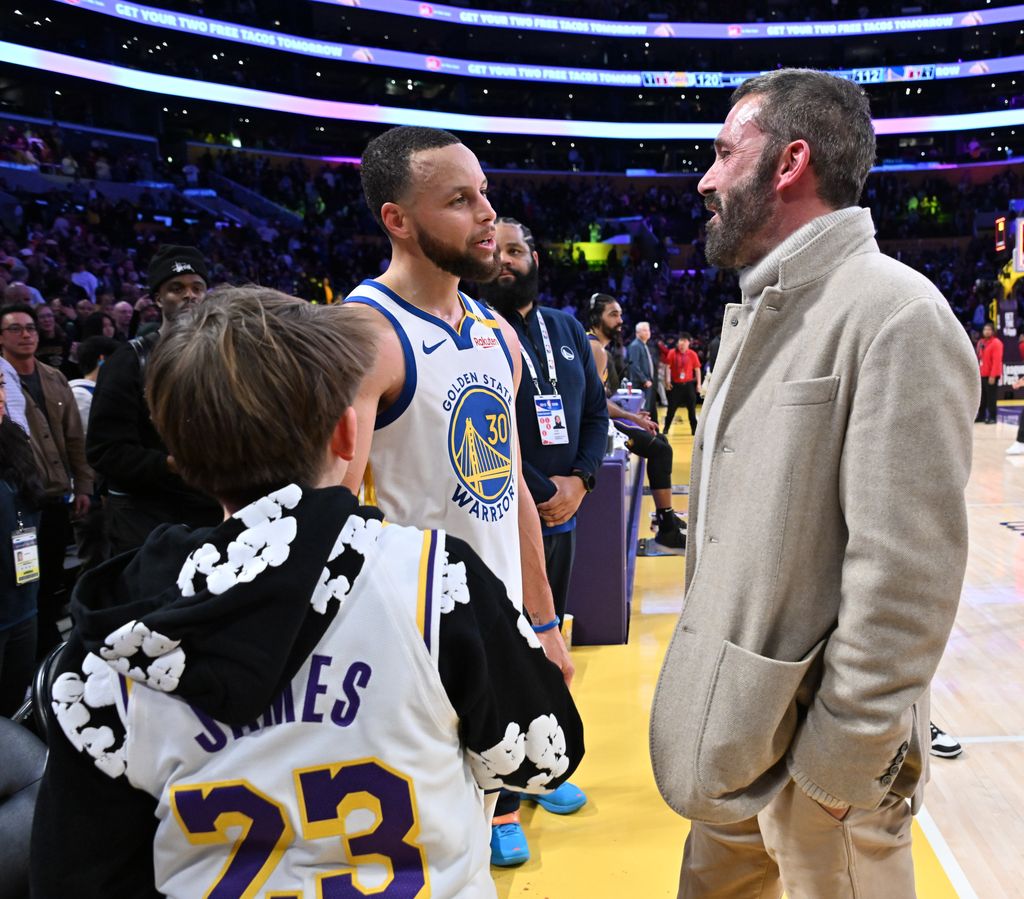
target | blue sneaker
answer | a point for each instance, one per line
(508, 842)
(568, 798)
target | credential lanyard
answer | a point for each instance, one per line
(550, 358)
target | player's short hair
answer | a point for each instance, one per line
(685, 336)
(527, 233)
(832, 114)
(246, 388)
(386, 168)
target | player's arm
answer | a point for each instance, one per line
(537, 598)
(379, 388)
(600, 355)
(501, 685)
(92, 835)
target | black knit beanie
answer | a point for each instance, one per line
(172, 260)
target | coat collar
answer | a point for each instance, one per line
(814, 250)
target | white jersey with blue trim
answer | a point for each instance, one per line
(444, 453)
(377, 797)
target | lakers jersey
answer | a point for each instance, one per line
(444, 454)
(351, 783)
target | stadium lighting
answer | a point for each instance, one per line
(189, 88)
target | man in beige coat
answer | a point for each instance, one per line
(829, 532)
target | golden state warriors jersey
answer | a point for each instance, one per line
(352, 783)
(444, 454)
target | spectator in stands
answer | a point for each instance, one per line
(817, 532)
(20, 495)
(54, 344)
(90, 529)
(143, 486)
(990, 357)
(85, 279)
(685, 374)
(123, 313)
(56, 434)
(20, 275)
(642, 369)
(561, 383)
(98, 324)
(69, 166)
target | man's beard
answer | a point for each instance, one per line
(515, 295)
(741, 214)
(460, 263)
(610, 334)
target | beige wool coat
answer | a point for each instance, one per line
(834, 535)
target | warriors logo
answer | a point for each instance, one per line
(480, 448)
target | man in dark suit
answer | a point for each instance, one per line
(642, 370)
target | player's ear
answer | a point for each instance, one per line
(396, 223)
(343, 439)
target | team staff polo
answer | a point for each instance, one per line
(457, 382)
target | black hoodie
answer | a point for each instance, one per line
(93, 832)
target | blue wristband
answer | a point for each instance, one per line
(542, 628)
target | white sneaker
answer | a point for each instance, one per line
(943, 745)
(1016, 449)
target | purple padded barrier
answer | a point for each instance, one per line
(601, 586)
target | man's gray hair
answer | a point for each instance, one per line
(834, 117)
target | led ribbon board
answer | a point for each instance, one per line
(692, 30)
(418, 62)
(171, 85)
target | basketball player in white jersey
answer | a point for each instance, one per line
(437, 410)
(302, 701)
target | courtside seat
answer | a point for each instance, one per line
(24, 757)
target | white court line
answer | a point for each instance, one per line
(945, 856)
(970, 740)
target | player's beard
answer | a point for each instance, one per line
(612, 335)
(460, 263)
(743, 212)
(517, 294)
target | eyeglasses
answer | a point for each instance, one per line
(21, 329)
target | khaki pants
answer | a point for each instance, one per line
(795, 845)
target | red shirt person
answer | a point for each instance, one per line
(684, 365)
(990, 358)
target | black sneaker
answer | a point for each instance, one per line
(671, 540)
(943, 745)
(678, 518)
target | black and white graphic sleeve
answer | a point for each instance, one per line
(518, 722)
(93, 832)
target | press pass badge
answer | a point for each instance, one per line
(551, 420)
(26, 556)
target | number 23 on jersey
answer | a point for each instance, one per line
(328, 795)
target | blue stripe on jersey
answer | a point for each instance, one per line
(484, 310)
(393, 411)
(461, 338)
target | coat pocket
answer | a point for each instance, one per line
(807, 393)
(749, 719)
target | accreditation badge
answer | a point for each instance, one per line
(26, 556)
(551, 419)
